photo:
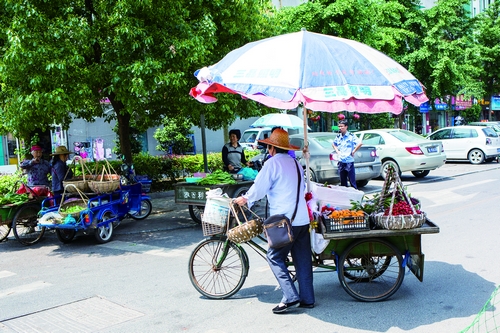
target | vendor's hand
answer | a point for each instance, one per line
(250, 164)
(230, 167)
(240, 201)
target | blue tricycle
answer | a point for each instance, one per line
(98, 215)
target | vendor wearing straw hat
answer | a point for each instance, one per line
(38, 168)
(60, 170)
(278, 180)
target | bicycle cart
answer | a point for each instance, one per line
(22, 219)
(195, 195)
(370, 264)
(98, 215)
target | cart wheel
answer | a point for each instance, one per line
(25, 225)
(218, 268)
(195, 212)
(239, 192)
(145, 210)
(4, 231)
(372, 270)
(104, 233)
(65, 235)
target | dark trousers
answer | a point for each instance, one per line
(347, 170)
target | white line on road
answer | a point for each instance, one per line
(24, 288)
(4, 274)
(145, 249)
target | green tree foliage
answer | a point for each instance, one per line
(485, 51)
(437, 55)
(61, 59)
(173, 135)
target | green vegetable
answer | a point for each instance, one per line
(72, 209)
(13, 198)
(218, 177)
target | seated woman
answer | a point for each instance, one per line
(233, 155)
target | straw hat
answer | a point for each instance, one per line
(61, 150)
(279, 138)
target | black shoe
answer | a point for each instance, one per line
(285, 307)
(306, 306)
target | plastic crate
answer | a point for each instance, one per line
(354, 223)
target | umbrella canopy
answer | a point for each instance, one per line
(319, 72)
(279, 119)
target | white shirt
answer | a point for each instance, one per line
(278, 180)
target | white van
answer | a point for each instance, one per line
(249, 138)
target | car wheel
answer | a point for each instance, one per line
(361, 183)
(476, 156)
(386, 165)
(312, 176)
(420, 173)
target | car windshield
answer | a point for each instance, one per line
(406, 136)
(249, 136)
(325, 141)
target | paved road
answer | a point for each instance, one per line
(139, 283)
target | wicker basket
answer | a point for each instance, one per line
(399, 222)
(104, 186)
(75, 203)
(106, 182)
(342, 224)
(79, 183)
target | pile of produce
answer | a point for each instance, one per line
(72, 210)
(217, 177)
(13, 198)
(339, 214)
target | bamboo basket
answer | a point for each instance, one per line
(80, 183)
(82, 202)
(106, 182)
(391, 221)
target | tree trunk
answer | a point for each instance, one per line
(123, 119)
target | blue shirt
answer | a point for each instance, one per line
(346, 144)
(37, 172)
(278, 180)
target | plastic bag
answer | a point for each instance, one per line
(318, 242)
(51, 218)
(248, 173)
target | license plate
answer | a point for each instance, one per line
(363, 170)
(432, 149)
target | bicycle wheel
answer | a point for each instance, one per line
(25, 223)
(374, 271)
(218, 268)
(4, 230)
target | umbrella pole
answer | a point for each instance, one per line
(305, 151)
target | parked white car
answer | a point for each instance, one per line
(249, 138)
(404, 150)
(477, 144)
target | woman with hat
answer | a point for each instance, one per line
(60, 170)
(37, 168)
(278, 180)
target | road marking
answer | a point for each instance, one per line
(4, 274)
(449, 195)
(145, 249)
(24, 288)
